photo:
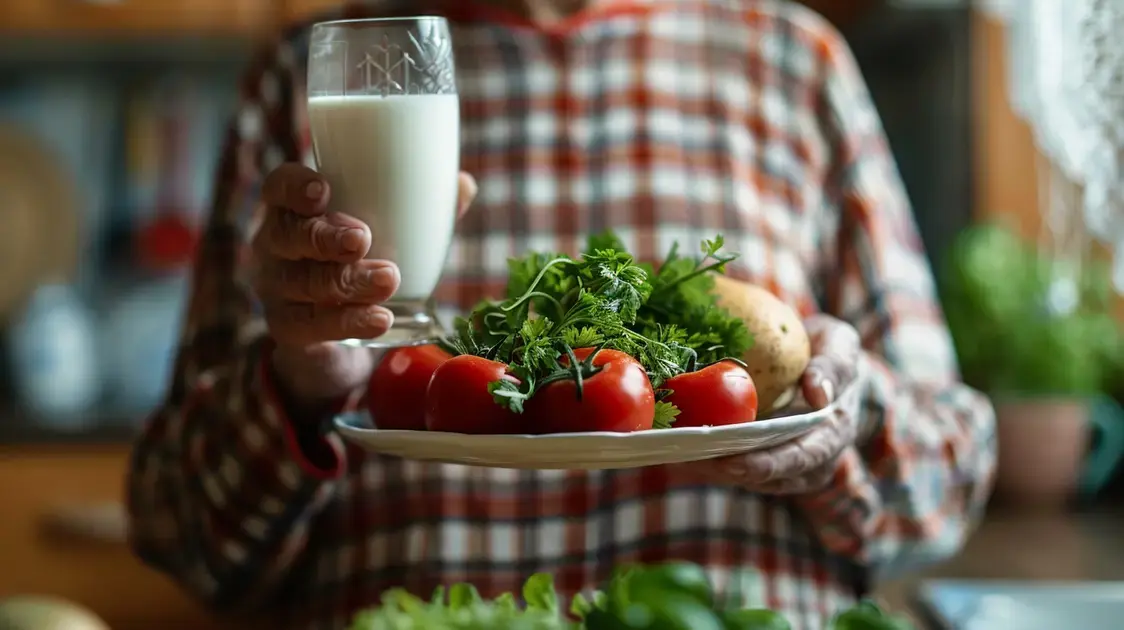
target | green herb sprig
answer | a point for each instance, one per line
(665, 317)
(665, 595)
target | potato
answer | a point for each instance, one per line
(780, 351)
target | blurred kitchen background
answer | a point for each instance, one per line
(111, 113)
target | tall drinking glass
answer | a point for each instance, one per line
(385, 122)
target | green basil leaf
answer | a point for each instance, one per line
(538, 593)
(463, 595)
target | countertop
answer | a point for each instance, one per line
(1009, 545)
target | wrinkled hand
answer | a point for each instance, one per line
(808, 463)
(310, 273)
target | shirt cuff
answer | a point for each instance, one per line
(311, 442)
(840, 511)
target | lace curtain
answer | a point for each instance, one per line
(1066, 77)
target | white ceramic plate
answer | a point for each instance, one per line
(596, 451)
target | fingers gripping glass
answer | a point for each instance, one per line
(385, 123)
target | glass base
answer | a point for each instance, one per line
(415, 324)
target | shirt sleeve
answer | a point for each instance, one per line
(918, 481)
(222, 489)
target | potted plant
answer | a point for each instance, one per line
(1042, 342)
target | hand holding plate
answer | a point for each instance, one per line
(808, 463)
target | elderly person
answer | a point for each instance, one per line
(662, 120)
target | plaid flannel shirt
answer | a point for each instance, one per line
(663, 120)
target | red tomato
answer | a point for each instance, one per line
(396, 397)
(618, 398)
(722, 393)
(458, 400)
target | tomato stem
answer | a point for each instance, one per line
(577, 371)
(576, 368)
(569, 374)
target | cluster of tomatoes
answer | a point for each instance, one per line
(424, 388)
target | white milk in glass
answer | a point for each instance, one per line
(392, 161)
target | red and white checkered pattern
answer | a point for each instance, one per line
(664, 120)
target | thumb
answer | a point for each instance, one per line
(466, 192)
(818, 384)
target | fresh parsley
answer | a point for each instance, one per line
(666, 317)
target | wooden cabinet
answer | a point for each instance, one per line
(109, 17)
(91, 570)
(1005, 155)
